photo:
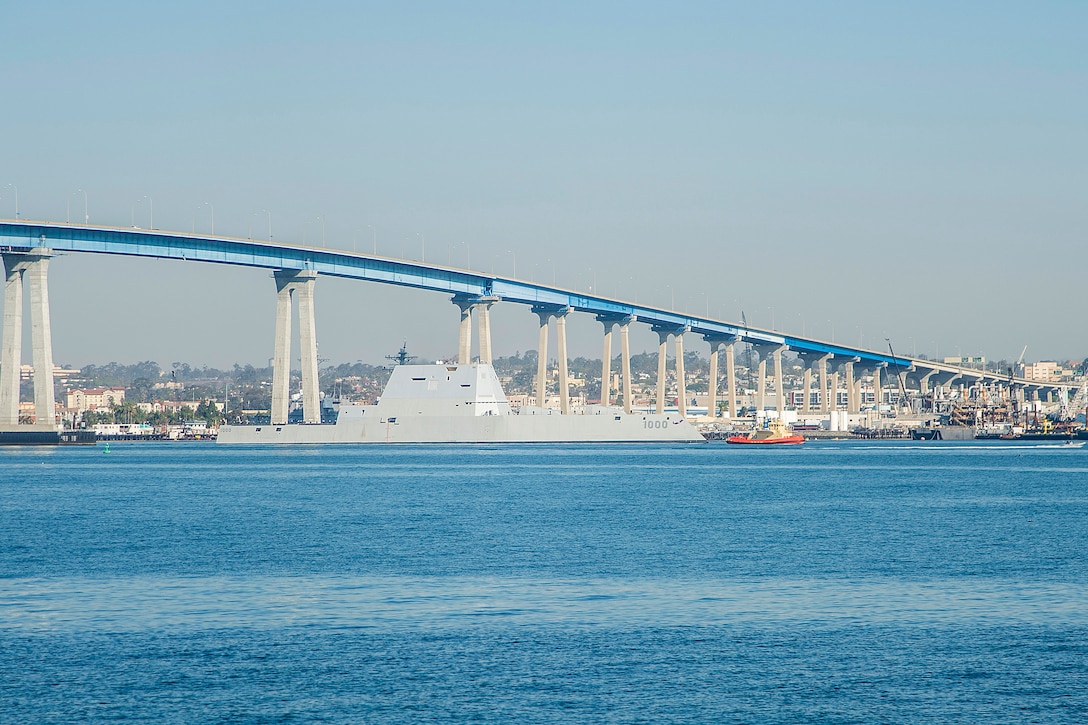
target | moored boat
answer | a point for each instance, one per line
(943, 433)
(30, 435)
(775, 432)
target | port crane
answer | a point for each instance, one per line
(748, 357)
(1015, 401)
(903, 403)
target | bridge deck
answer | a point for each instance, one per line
(20, 235)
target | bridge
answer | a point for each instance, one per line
(26, 247)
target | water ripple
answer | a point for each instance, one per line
(128, 604)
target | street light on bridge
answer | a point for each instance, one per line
(265, 211)
(151, 212)
(16, 188)
(86, 217)
(212, 206)
(13, 186)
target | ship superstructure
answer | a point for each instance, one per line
(466, 404)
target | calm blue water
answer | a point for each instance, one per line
(837, 582)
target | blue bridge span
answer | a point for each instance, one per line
(27, 245)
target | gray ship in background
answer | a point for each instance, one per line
(466, 404)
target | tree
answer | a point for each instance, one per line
(139, 390)
(209, 412)
(94, 417)
(158, 418)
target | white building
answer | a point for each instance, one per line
(83, 399)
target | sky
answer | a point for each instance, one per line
(845, 170)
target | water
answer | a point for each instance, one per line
(835, 582)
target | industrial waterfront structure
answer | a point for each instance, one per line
(27, 246)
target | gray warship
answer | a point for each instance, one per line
(465, 404)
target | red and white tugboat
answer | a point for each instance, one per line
(775, 432)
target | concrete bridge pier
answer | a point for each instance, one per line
(606, 365)
(921, 376)
(923, 382)
(779, 381)
(290, 282)
(662, 349)
(761, 384)
(561, 350)
(464, 337)
(833, 394)
(542, 360)
(731, 379)
(482, 305)
(545, 313)
(712, 383)
(945, 379)
(625, 358)
(851, 391)
(861, 369)
(681, 381)
(878, 391)
(609, 321)
(818, 362)
(483, 317)
(11, 356)
(827, 397)
(662, 341)
(716, 342)
(34, 267)
(774, 352)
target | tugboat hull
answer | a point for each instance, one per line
(788, 440)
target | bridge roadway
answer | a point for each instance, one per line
(26, 246)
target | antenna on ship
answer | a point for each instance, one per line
(402, 357)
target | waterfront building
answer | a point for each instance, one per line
(82, 399)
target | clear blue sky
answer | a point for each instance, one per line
(915, 171)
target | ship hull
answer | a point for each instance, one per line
(943, 433)
(1045, 436)
(480, 429)
(788, 440)
(32, 436)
